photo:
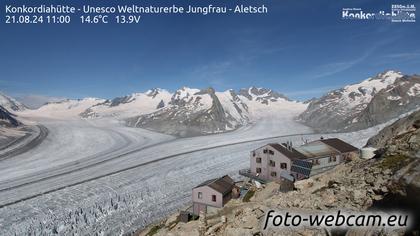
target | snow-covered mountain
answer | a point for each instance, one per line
(370, 102)
(67, 108)
(195, 112)
(131, 105)
(10, 103)
(189, 112)
(262, 95)
(185, 112)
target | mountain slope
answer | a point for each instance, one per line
(10, 103)
(400, 97)
(190, 112)
(358, 106)
(69, 108)
(7, 119)
(397, 129)
(131, 105)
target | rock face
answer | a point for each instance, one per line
(261, 94)
(371, 102)
(400, 127)
(399, 144)
(11, 104)
(7, 119)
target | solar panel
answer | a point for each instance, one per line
(302, 167)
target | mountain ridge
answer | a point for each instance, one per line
(10, 103)
(191, 111)
(372, 101)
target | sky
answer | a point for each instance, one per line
(299, 48)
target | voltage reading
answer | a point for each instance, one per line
(130, 19)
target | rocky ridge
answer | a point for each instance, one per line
(7, 119)
(10, 103)
(368, 103)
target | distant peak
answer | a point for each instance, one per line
(389, 74)
(185, 88)
(208, 90)
(89, 99)
(189, 90)
(259, 91)
(153, 92)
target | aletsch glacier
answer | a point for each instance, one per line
(93, 173)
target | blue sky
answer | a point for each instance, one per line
(300, 48)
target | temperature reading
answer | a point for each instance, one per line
(97, 19)
(130, 19)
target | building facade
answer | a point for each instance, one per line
(270, 161)
(213, 193)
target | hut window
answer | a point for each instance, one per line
(273, 174)
(213, 198)
(253, 154)
(200, 195)
(270, 152)
(265, 151)
(272, 163)
(315, 162)
(258, 160)
(283, 166)
(258, 170)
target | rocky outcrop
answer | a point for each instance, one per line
(373, 101)
(161, 104)
(263, 95)
(400, 127)
(399, 145)
(7, 119)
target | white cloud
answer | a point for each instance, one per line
(337, 67)
(404, 55)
